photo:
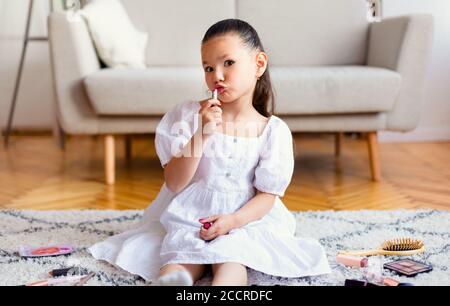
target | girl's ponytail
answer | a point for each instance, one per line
(263, 97)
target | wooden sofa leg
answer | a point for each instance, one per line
(337, 143)
(372, 142)
(110, 167)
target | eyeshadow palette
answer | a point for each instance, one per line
(407, 267)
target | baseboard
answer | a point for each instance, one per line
(29, 132)
(421, 134)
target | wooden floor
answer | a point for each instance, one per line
(36, 174)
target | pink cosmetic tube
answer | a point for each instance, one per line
(207, 225)
(352, 261)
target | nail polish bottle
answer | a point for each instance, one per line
(207, 225)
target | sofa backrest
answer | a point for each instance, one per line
(293, 32)
(176, 27)
(309, 32)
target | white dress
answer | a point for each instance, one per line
(225, 181)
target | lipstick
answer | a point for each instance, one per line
(352, 261)
(215, 94)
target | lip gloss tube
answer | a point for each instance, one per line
(64, 280)
(352, 261)
(215, 94)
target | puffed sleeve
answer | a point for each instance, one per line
(175, 130)
(276, 162)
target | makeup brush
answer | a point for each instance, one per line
(399, 246)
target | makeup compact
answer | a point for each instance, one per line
(53, 250)
(407, 267)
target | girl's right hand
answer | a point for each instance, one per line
(211, 115)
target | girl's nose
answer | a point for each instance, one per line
(218, 76)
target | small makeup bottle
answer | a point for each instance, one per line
(207, 225)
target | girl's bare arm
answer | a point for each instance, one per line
(179, 171)
(254, 209)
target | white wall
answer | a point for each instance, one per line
(35, 99)
(435, 118)
(35, 102)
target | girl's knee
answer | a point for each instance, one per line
(196, 270)
(229, 274)
(228, 265)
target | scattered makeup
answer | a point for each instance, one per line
(358, 283)
(52, 250)
(352, 261)
(64, 272)
(74, 280)
(407, 267)
(381, 280)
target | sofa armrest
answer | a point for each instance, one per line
(403, 44)
(73, 57)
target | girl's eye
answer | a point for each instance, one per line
(229, 63)
(226, 64)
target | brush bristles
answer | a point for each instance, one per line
(402, 244)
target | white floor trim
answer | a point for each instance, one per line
(421, 134)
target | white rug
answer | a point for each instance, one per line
(335, 230)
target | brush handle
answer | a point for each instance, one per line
(362, 252)
(382, 252)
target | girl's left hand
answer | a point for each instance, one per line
(222, 225)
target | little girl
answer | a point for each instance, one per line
(224, 175)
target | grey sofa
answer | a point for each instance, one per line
(332, 70)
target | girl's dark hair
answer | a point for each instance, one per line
(263, 96)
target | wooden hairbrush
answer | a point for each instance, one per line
(399, 246)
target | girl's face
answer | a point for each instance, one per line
(232, 67)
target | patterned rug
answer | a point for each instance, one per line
(335, 230)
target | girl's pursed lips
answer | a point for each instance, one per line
(219, 88)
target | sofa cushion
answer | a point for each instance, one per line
(298, 90)
(118, 42)
(334, 89)
(151, 91)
